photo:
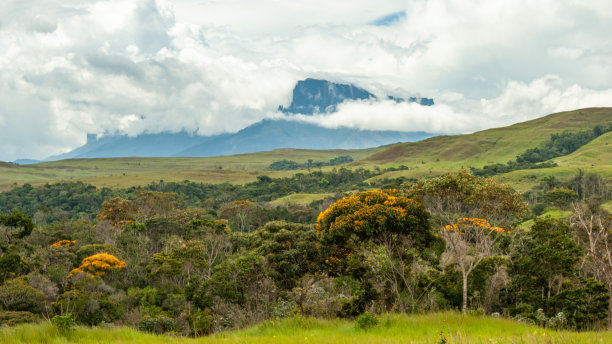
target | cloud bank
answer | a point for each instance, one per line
(71, 67)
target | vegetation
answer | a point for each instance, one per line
(285, 165)
(445, 327)
(558, 145)
(198, 259)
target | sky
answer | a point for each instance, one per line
(72, 67)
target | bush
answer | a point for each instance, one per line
(63, 323)
(159, 324)
(366, 321)
(10, 318)
(477, 312)
(559, 321)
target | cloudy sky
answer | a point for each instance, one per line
(71, 67)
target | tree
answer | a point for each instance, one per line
(17, 295)
(98, 265)
(367, 215)
(593, 233)
(471, 213)
(468, 242)
(545, 257)
(289, 250)
(462, 195)
(117, 211)
(372, 232)
(15, 225)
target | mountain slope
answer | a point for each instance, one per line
(309, 96)
(146, 145)
(426, 158)
(497, 145)
(271, 134)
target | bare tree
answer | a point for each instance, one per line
(593, 233)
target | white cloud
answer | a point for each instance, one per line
(214, 66)
(518, 102)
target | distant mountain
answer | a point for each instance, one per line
(26, 161)
(312, 96)
(145, 145)
(272, 134)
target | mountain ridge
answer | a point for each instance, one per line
(309, 96)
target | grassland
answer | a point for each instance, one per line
(301, 198)
(553, 213)
(431, 328)
(426, 158)
(126, 172)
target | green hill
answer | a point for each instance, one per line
(424, 158)
(492, 145)
(499, 145)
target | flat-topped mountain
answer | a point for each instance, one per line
(312, 96)
(309, 96)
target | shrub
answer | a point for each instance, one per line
(17, 295)
(10, 318)
(63, 323)
(477, 312)
(159, 324)
(366, 321)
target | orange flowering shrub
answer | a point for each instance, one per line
(368, 214)
(98, 264)
(476, 222)
(63, 243)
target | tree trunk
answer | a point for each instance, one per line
(464, 306)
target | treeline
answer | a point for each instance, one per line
(287, 165)
(165, 263)
(558, 145)
(75, 200)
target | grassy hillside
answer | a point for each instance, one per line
(488, 146)
(432, 328)
(430, 157)
(125, 172)
(437, 155)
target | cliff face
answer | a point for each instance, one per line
(318, 96)
(312, 96)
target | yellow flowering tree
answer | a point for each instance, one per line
(98, 265)
(468, 242)
(371, 227)
(370, 214)
(63, 243)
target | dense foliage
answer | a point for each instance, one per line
(286, 165)
(193, 259)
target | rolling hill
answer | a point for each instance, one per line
(429, 157)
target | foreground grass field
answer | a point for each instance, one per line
(448, 327)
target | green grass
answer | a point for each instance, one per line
(126, 172)
(607, 206)
(426, 158)
(441, 154)
(554, 213)
(300, 198)
(393, 328)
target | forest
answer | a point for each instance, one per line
(193, 259)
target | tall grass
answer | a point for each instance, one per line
(447, 327)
